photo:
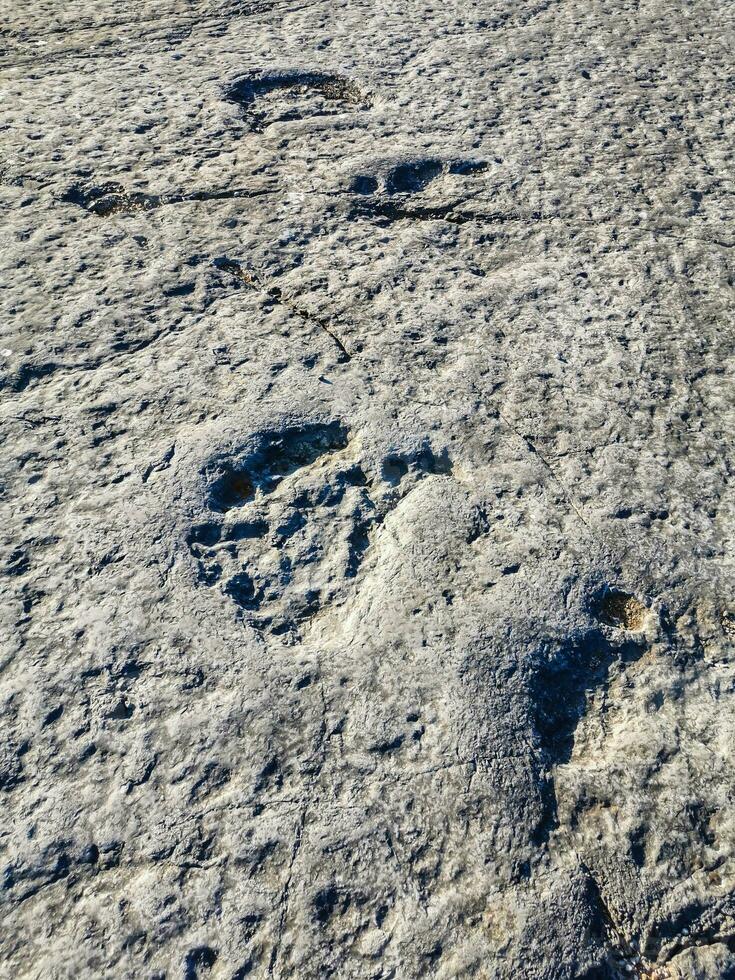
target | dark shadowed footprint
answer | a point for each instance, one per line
(289, 521)
(389, 195)
(270, 97)
(287, 524)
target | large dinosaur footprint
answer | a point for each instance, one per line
(269, 97)
(289, 520)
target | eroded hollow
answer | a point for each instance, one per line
(294, 88)
(562, 682)
(277, 455)
(410, 178)
(618, 608)
(112, 198)
(415, 175)
(282, 556)
(563, 678)
(396, 466)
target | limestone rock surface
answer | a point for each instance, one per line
(366, 539)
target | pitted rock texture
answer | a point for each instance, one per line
(367, 416)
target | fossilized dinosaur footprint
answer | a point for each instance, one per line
(289, 521)
(270, 97)
(388, 193)
(266, 98)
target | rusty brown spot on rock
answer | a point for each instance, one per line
(623, 610)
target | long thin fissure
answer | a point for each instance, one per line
(276, 294)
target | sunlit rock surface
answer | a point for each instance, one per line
(367, 419)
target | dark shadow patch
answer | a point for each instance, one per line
(90, 854)
(298, 447)
(467, 168)
(303, 608)
(562, 678)
(122, 711)
(434, 954)
(270, 776)
(214, 777)
(396, 466)
(685, 930)
(53, 715)
(355, 477)
(18, 562)
(205, 534)
(247, 530)
(330, 902)
(610, 945)
(199, 961)
(412, 177)
(242, 589)
(407, 178)
(364, 184)
(385, 748)
(11, 768)
(185, 289)
(233, 489)
(26, 374)
(358, 543)
(288, 531)
(109, 198)
(391, 211)
(295, 522)
(480, 525)
(561, 683)
(210, 572)
(393, 470)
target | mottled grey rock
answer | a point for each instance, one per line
(367, 567)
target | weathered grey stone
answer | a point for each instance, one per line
(367, 413)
